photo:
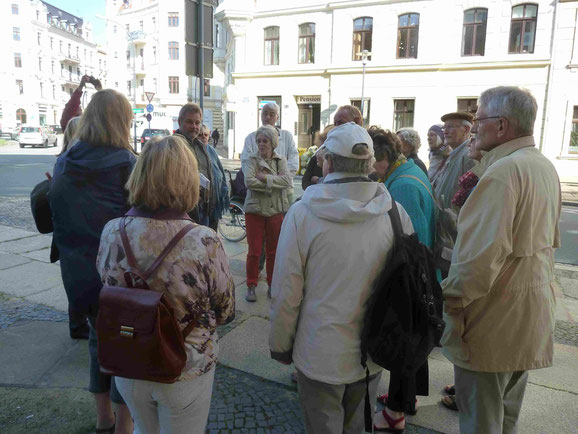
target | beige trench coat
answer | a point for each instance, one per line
(499, 301)
(267, 198)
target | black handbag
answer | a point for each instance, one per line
(40, 206)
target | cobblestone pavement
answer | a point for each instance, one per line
(241, 402)
(15, 212)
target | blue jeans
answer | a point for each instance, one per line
(99, 382)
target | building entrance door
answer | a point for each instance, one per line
(309, 122)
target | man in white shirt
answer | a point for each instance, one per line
(286, 148)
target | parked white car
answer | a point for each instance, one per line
(37, 136)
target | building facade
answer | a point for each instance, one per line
(46, 51)
(146, 53)
(421, 59)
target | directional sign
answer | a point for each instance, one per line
(149, 117)
(138, 110)
(150, 108)
(149, 96)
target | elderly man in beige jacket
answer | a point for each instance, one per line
(499, 300)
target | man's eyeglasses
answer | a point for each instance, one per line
(487, 117)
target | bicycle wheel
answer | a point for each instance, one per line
(232, 224)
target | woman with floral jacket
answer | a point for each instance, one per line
(194, 277)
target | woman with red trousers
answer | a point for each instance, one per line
(268, 183)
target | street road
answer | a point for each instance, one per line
(22, 169)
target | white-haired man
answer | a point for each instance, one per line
(286, 148)
(333, 244)
(499, 301)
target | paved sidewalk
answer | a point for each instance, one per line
(44, 375)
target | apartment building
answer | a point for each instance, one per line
(421, 59)
(146, 53)
(45, 50)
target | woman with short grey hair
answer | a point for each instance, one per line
(410, 144)
(268, 182)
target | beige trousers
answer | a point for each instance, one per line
(335, 408)
(489, 402)
(177, 408)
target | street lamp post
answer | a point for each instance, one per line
(364, 55)
(130, 37)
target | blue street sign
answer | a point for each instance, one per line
(150, 108)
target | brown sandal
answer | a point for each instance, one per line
(450, 402)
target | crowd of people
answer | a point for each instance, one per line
(487, 186)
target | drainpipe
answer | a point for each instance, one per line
(550, 77)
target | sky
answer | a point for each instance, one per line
(87, 11)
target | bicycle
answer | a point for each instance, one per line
(232, 223)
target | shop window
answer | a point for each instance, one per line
(16, 33)
(523, 28)
(362, 36)
(403, 113)
(469, 105)
(18, 60)
(271, 46)
(307, 43)
(407, 36)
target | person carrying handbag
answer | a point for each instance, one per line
(193, 277)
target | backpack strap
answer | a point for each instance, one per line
(421, 182)
(130, 254)
(395, 221)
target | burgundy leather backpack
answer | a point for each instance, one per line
(138, 335)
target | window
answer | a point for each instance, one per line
(54, 94)
(52, 66)
(100, 64)
(129, 87)
(41, 90)
(85, 54)
(173, 19)
(127, 58)
(307, 43)
(51, 42)
(61, 46)
(116, 54)
(272, 45)
(69, 48)
(20, 86)
(155, 85)
(407, 36)
(173, 50)
(573, 149)
(173, 84)
(40, 63)
(523, 28)
(362, 31)
(127, 28)
(469, 105)
(154, 23)
(18, 60)
(403, 113)
(154, 54)
(16, 33)
(14, 9)
(114, 29)
(474, 33)
(366, 106)
(38, 37)
(21, 116)
(141, 55)
(141, 25)
(207, 88)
